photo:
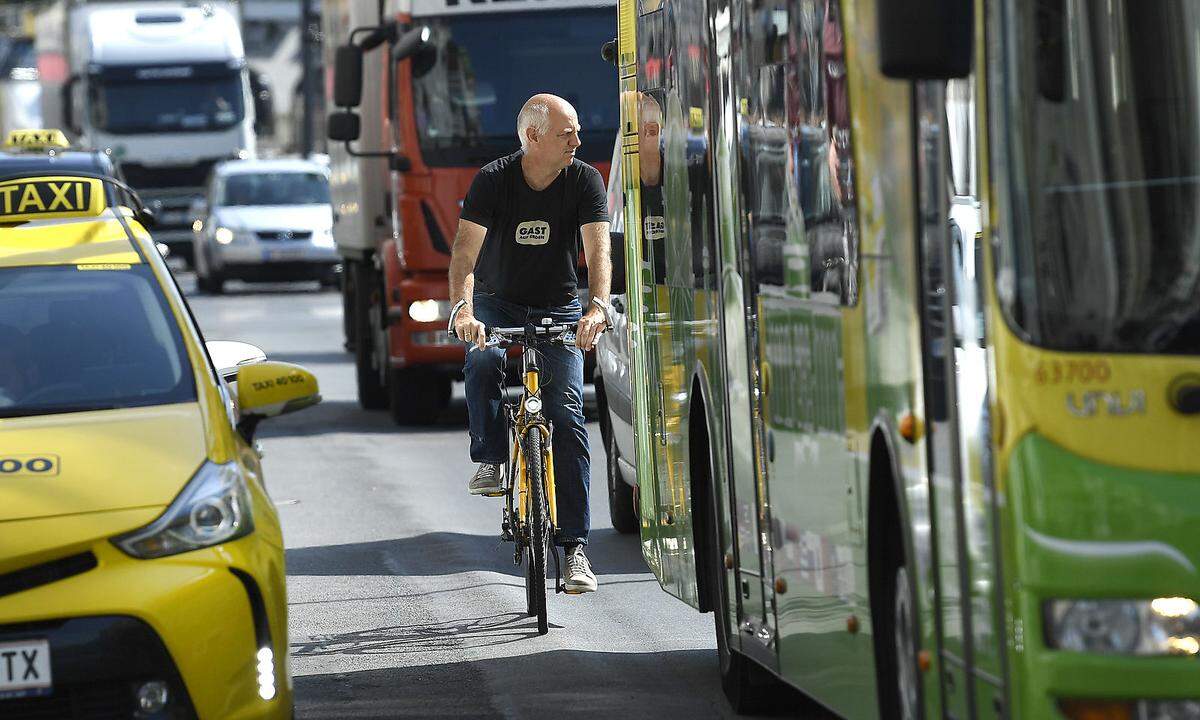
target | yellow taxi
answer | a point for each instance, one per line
(141, 557)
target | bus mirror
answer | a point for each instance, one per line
(608, 52)
(925, 39)
(411, 42)
(343, 126)
(617, 255)
(347, 76)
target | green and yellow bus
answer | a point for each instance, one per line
(915, 325)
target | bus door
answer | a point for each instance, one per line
(962, 507)
(738, 316)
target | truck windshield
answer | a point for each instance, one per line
(1106, 252)
(197, 104)
(481, 69)
(73, 340)
(277, 188)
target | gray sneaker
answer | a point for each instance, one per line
(487, 481)
(579, 572)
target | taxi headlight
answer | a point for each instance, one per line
(223, 235)
(1163, 626)
(429, 310)
(214, 508)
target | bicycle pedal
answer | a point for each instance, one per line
(493, 494)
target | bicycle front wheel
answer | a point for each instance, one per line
(539, 528)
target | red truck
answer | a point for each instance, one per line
(427, 92)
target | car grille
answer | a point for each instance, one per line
(46, 573)
(283, 235)
(93, 701)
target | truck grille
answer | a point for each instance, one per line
(141, 177)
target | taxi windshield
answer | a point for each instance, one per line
(74, 339)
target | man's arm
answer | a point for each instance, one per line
(467, 242)
(597, 255)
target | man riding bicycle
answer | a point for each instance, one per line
(513, 263)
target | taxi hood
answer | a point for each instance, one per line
(89, 462)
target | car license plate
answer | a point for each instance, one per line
(24, 669)
(283, 254)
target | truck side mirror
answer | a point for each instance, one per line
(347, 76)
(343, 126)
(411, 43)
(616, 254)
(925, 39)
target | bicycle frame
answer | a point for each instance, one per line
(522, 424)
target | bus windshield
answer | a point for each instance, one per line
(199, 104)
(1105, 255)
(469, 85)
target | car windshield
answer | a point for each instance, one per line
(74, 339)
(274, 188)
(467, 96)
(196, 104)
(1106, 253)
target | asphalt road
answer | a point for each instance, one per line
(403, 601)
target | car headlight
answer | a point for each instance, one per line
(213, 508)
(223, 235)
(1163, 626)
(323, 238)
(429, 310)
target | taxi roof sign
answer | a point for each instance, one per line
(37, 140)
(51, 198)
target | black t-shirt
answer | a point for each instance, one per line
(532, 242)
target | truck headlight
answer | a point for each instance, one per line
(429, 310)
(213, 508)
(223, 235)
(1163, 626)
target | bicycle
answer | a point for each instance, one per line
(530, 511)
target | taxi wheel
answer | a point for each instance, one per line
(417, 395)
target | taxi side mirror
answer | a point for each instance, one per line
(229, 356)
(269, 389)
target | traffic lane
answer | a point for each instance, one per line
(403, 601)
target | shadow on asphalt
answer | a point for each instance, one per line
(559, 683)
(468, 633)
(446, 553)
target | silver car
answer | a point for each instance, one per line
(612, 379)
(265, 220)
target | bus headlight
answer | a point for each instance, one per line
(429, 310)
(1163, 626)
(223, 235)
(213, 508)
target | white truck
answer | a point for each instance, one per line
(163, 85)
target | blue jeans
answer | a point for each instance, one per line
(562, 400)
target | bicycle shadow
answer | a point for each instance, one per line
(461, 634)
(444, 553)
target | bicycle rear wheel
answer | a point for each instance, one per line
(539, 529)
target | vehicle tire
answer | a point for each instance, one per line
(749, 688)
(539, 529)
(901, 679)
(349, 271)
(372, 394)
(212, 284)
(417, 396)
(621, 507)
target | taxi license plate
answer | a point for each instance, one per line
(25, 669)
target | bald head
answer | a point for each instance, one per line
(537, 114)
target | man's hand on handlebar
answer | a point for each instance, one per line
(588, 330)
(470, 330)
